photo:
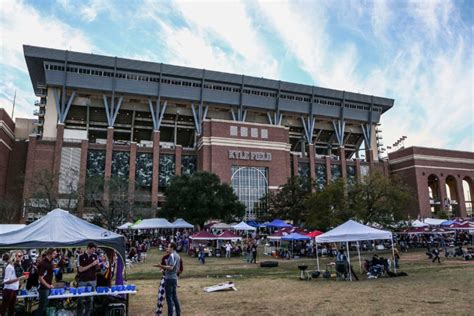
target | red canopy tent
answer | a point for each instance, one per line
(227, 235)
(465, 225)
(203, 235)
(314, 233)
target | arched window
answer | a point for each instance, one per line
(250, 184)
(467, 189)
(451, 203)
(433, 192)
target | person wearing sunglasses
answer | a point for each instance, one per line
(11, 284)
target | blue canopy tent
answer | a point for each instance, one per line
(254, 224)
(448, 222)
(278, 223)
(294, 236)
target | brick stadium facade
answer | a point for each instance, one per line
(109, 116)
(146, 121)
(442, 180)
(7, 144)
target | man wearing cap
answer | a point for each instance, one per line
(87, 266)
(45, 278)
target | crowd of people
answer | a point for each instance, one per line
(43, 273)
(94, 268)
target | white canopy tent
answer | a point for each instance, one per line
(417, 223)
(181, 223)
(6, 228)
(60, 229)
(352, 231)
(433, 221)
(153, 223)
(127, 225)
(243, 226)
(221, 226)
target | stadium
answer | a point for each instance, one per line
(147, 122)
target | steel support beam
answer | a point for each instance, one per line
(367, 133)
(339, 128)
(308, 125)
(111, 110)
(275, 118)
(62, 118)
(239, 115)
(199, 115)
(57, 101)
(157, 113)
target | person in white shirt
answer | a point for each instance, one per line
(11, 284)
(228, 248)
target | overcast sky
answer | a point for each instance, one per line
(419, 53)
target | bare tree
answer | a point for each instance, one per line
(9, 210)
(45, 195)
(116, 208)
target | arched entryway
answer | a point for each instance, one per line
(468, 193)
(451, 201)
(434, 193)
(250, 184)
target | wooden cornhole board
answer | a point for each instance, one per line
(220, 287)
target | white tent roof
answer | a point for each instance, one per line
(353, 231)
(221, 226)
(127, 225)
(60, 229)
(243, 226)
(418, 223)
(6, 228)
(181, 223)
(152, 223)
(434, 221)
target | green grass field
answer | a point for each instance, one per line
(445, 289)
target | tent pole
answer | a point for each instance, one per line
(393, 254)
(358, 252)
(317, 256)
(349, 260)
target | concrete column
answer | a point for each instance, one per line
(57, 154)
(358, 173)
(30, 166)
(442, 192)
(156, 166)
(177, 159)
(312, 165)
(132, 172)
(108, 164)
(421, 194)
(369, 156)
(328, 169)
(83, 174)
(342, 157)
(295, 165)
(461, 198)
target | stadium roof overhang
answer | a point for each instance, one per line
(37, 56)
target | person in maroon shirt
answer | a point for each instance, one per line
(87, 267)
(45, 278)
